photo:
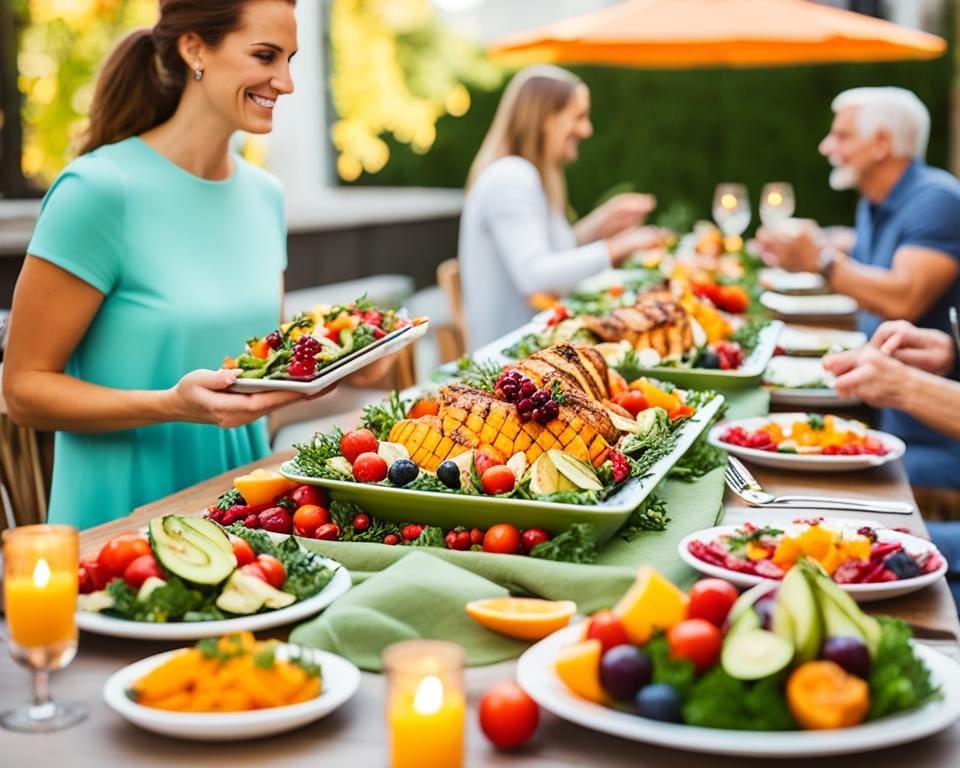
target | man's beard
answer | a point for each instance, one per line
(843, 177)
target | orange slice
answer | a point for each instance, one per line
(527, 618)
(262, 486)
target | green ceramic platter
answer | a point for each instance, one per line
(449, 510)
(750, 374)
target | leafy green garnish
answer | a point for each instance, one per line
(717, 700)
(479, 374)
(524, 347)
(306, 573)
(425, 481)
(651, 515)
(266, 658)
(431, 536)
(166, 603)
(343, 513)
(698, 461)
(748, 334)
(898, 679)
(231, 498)
(575, 545)
(312, 457)
(380, 417)
(815, 420)
(677, 673)
(738, 543)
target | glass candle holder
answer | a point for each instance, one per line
(426, 706)
(40, 585)
(777, 203)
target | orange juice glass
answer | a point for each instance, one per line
(426, 706)
(40, 596)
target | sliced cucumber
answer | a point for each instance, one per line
(755, 653)
(544, 477)
(193, 548)
(578, 473)
(390, 452)
(244, 595)
(747, 620)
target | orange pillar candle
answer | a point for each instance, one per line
(40, 585)
(426, 707)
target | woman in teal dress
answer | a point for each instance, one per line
(157, 252)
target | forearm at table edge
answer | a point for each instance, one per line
(932, 399)
(47, 400)
(876, 290)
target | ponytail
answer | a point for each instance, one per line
(132, 94)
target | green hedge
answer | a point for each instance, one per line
(678, 133)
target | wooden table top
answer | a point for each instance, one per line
(355, 734)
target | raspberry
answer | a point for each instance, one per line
(621, 466)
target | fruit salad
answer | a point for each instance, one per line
(799, 656)
(851, 554)
(814, 435)
(303, 347)
(190, 569)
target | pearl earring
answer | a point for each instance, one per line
(198, 74)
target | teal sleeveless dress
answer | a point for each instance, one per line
(189, 269)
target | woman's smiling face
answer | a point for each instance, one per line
(245, 75)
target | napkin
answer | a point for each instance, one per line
(419, 596)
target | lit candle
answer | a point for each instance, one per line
(40, 586)
(426, 707)
(729, 201)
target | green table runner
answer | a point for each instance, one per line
(405, 592)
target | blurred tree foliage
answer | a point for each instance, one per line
(61, 46)
(678, 133)
(396, 70)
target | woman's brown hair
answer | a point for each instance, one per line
(529, 99)
(143, 78)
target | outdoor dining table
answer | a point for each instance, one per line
(355, 734)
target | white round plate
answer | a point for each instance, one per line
(862, 593)
(340, 681)
(796, 340)
(803, 462)
(536, 676)
(803, 383)
(781, 281)
(102, 624)
(812, 398)
(830, 304)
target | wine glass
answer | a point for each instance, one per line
(731, 209)
(40, 594)
(776, 203)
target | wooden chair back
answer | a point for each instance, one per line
(452, 339)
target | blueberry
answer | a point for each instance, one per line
(902, 565)
(708, 360)
(403, 472)
(659, 702)
(448, 473)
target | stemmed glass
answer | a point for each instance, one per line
(731, 209)
(776, 203)
(40, 587)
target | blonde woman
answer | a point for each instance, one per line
(515, 239)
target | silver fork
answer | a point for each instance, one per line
(745, 485)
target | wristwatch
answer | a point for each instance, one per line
(826, 260)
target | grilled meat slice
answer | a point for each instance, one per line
(576, 366)
(657, 321)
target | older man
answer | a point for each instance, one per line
(905, 262)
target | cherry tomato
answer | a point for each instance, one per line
(361, 522)
(732, 298)
(632, 400)
(483, 461)
(411, 531)
(327, 532)
(712, 599)
(498, 479)
(503, 539)
(142, 569)
(273, 569)
(607, 627)
(391, 539)
(242, 551)
(358, 441)
(309, 494)
(476, 536)
(120, 551)
(508, 716)
(254, 570)
(369, 468)
(308, 518)
(697, 640)
(531, 537)
(92, 576)
(462, 542)
(424, 408)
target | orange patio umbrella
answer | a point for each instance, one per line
(679, 34)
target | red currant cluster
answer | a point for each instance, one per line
(304, 364)
(758, 440)
(621, 466)
(532, 403)
(729, 354)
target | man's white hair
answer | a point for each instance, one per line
(895, 110)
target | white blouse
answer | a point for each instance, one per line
(512, 244)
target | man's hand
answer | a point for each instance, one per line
(925, 348)
(794, 251)
(867, 373)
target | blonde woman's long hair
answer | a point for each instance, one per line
(529, 99)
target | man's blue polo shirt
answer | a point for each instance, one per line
(923, 210)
